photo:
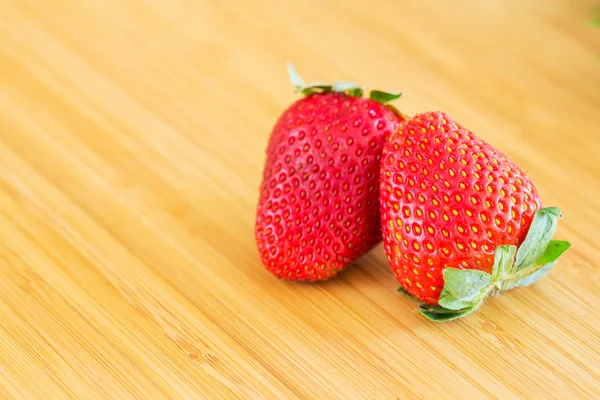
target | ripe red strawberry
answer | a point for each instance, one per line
(319, 198)
(454, 212)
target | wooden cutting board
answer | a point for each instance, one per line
(132, 136)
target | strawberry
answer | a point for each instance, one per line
(460, 220)
(319, 199)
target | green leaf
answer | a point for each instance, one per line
(439, 314)
(504, 257)
(320, 86)
(464, 287)
(538, 237)
(356, 92)
(301, 86)
(435, 309)
(343, 86)
(384, 97)
(554, 250)
(535, 276)
(296, 80)
(450, 302)
(306, 92)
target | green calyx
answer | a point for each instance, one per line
(465, 290)
(351, 89)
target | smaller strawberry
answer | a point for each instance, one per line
(319, 198)
(460, 220)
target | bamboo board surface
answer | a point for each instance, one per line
(132, 136)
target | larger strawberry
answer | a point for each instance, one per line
(460, 220)
(318, 208)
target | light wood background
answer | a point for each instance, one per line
(132, 136)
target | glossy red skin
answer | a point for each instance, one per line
(319, 200)
(447, 199)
